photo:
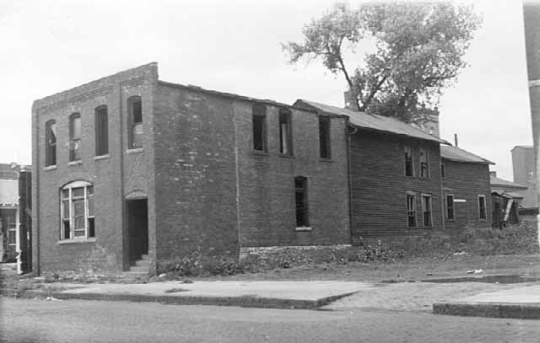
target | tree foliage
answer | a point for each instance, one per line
(417, 48)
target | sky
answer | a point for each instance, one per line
(234, 46)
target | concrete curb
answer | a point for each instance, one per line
(240, 301)
(493, 310)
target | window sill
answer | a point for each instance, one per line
(260, 153)
(327, 160)
(77, 241)
(101, 157)
(47, 168)
(75, 163)
(135, 150)
(304, 228)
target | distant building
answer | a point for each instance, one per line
(523, 163)
(507, 197)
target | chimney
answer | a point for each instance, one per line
(350, 104)
(455, 140)
(493, 173)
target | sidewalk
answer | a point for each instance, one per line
(264, 294)
(521, 302)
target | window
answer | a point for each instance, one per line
(12, 234)
(102, 131)
(75, 137)
(77, 211)
(285, 132)
(324, 137)
(426, 210)
(409, 166)
(135, 122)
(259, 127)
(300, 185)
(411, 210)
(450, 207)
(443, 171)
(50, 143)
(424, 172)
(482, 207)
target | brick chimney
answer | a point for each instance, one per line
(350, 104)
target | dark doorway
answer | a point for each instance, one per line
(137, 221)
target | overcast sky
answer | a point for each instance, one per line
(234, 46)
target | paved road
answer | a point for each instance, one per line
(99, 321)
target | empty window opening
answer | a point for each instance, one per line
(102, 131)
(482, 207)
(443, 170)
(259, 127)
(285, 132)
(324, 137)
(450, 215)
(50, 143)
(426, 210)
(136, 122)
(77, 211)
(300, 185)
(75, 137)
(411, 210)
(409, 166)
(424, 169)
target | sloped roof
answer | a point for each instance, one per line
(496, 181)
(9, 193)
(370, 121)
(456, 154)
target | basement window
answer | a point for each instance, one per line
(77, 211)
(411, 210)
(300, 186)
(259, 127)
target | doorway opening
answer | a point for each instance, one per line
(137, 229)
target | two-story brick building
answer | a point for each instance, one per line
(130, 167)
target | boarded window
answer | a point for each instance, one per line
(426, 210)
(75, 137)
(409, 166)
(259, 127)
(50, 143)
(285, 132)
(135, 139)
(424, 167)
(450, 215)
(411, 210)
(324, 137)
(102, 131)
(300, 185)
(482, 207)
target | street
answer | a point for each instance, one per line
(101, 321)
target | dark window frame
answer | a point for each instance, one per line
(427, 211)
(260, 143)
(135, 124)
(325, 142)
(50, 143)
(69, 211)
(482, 207)
(285, 132)
(301, 201)
(450, 207)
(75, 139)
(102, 130)
(411, 210)
(424, 163)
(408, 156)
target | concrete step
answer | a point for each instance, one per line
(145, 263)
(141, 269)
(135, 274)
(145, 257)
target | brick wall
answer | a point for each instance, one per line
(267, 208)
(379, 185)
(195, 173)
(112, 176)
(465, 181)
